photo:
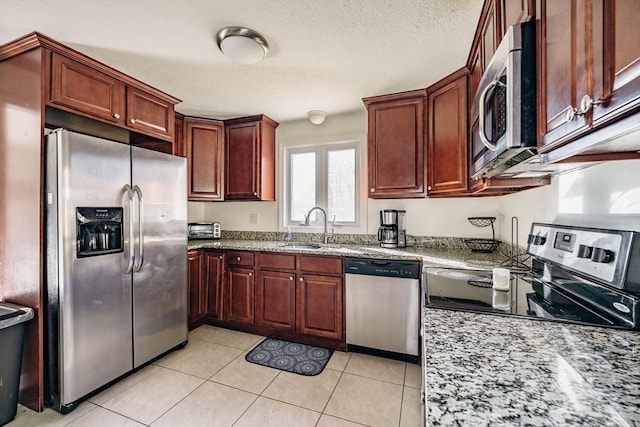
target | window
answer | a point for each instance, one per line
(327, 175)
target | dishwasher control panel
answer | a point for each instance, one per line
(383, 267)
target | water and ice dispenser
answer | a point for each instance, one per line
(99, 231)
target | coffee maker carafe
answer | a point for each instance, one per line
(392, 231)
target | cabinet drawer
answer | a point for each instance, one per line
(277, 261)
(321, 264)
(242, 258)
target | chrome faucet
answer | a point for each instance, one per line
(308, 216)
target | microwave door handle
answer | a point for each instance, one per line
(139, 223)
(126, 190)
(483, 136)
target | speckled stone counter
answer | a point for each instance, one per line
(484, 370)
(431, 257)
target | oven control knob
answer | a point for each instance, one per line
(602, 255)
(585, 251)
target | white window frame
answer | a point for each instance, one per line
(323, 146)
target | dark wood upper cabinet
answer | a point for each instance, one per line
(179, 148)
(250, 158)
(204, 141)
(447, 135)
(149, 114)
(396, 145)
(511, 12)
(88, 88)
(587, 49)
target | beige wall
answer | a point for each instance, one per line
(604, 195)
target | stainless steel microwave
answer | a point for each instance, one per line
(504, 109)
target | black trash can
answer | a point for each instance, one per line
(12, 325)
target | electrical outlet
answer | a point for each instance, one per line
(254, 218)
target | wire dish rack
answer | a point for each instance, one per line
(483, 245)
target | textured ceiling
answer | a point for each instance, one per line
(324, 54)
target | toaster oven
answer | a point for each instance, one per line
(204, 230)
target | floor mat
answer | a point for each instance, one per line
(290, 356)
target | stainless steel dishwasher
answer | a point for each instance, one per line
(383, 307)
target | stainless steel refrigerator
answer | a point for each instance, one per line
(116, 228)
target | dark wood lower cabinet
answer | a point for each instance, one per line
(214, 267)
(239, 298)
(320, 306)
(196, 287)
(294, 297)
(276, 300)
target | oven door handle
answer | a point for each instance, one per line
(483, 135)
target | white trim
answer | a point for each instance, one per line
(359, 143)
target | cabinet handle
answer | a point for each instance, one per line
(587, 103)
(238, 259)
(429, 187)
(373, 190)
(132, 121)
(255, 194)
(220, 257)
(250, 274)
(291, 278)
(301, 279)
(570, 113)
(116, 116)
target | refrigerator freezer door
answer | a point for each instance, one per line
(160, 286)
(91, 295)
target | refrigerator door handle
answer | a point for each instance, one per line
(126, 190)
(139, 223)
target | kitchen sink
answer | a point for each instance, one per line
(319, 247)
(305, 246)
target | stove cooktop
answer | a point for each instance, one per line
(528, 296)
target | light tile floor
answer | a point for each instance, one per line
(209, 383)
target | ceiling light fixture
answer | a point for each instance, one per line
(242, 45)
(317, 116)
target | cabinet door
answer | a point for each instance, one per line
(86, 91)
(149, 114)
(447, 159)
(239, 298)
(196, 288)
(213, 264)
(396, 148)
(205, 159)
(243, 162)
(179, 148)
(616, 38)
(514, 12)
(275, 300)
(320, 306)
(489, 35)
(562, 79)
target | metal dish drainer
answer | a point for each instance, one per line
(483, 245)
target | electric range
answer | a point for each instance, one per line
(578, 275)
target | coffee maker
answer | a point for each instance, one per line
(392, 231)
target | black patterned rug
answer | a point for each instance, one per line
(290, 356)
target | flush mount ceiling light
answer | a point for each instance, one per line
(242, 45)
(317, 116)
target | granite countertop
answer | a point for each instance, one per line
(484, 370)
(431, 257)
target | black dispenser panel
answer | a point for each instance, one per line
(99, 231)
